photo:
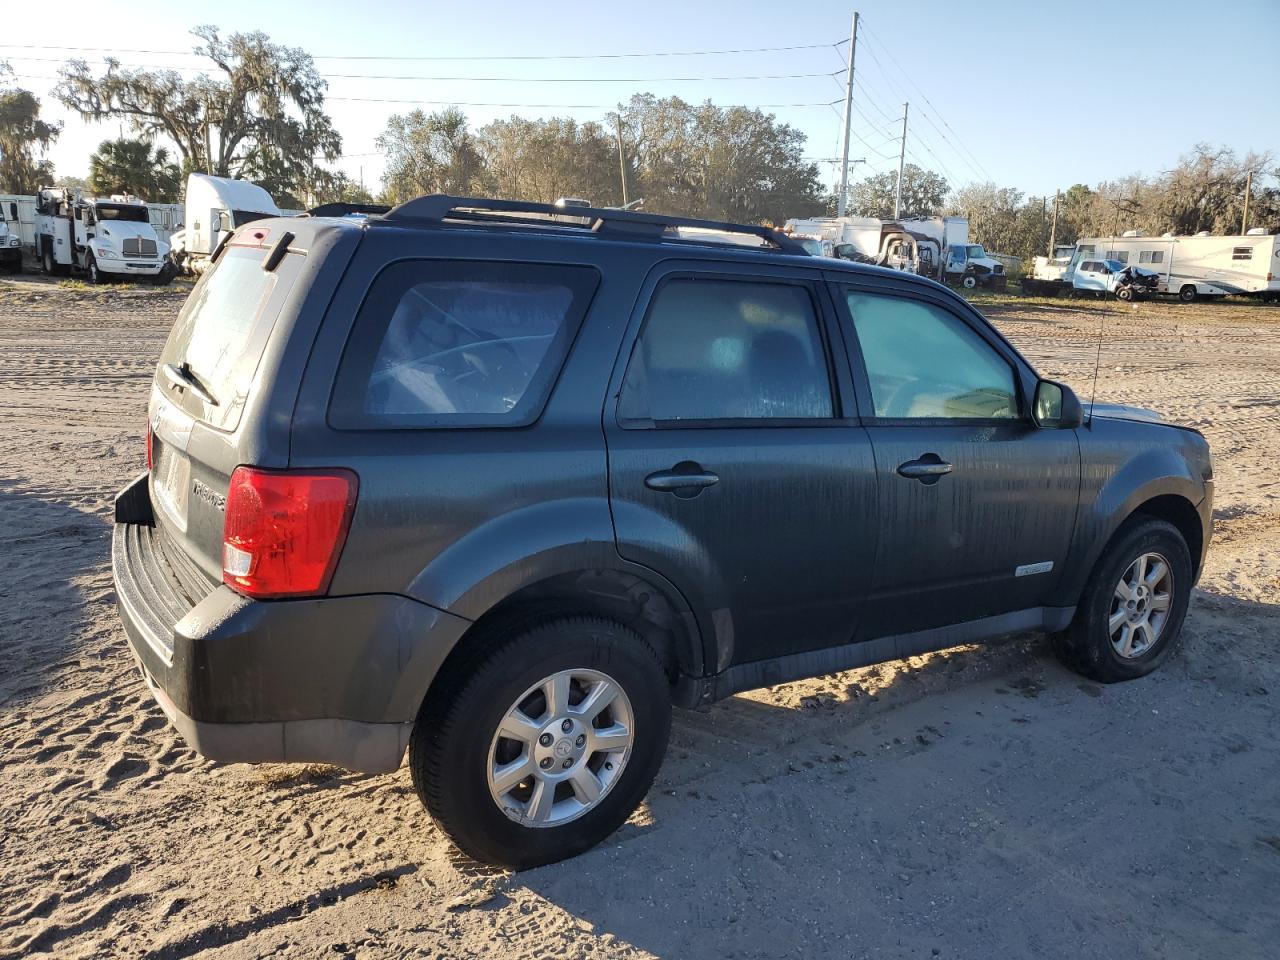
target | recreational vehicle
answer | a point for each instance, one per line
(1199, 266)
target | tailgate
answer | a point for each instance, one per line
(217, 358)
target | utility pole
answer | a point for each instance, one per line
(902, 159)
(1053, 229)
(1248, 189)
(622, 159)
(843, 199)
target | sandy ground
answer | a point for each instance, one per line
(976, 803)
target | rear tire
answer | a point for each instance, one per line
(457, 754)
(1106, 621)
(1188, 294)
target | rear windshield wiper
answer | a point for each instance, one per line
(183, 377)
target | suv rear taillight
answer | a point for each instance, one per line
(148, 448)
(285, 530)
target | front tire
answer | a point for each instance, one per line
(92, 272)
(1125, 294)
(1131, 612)
(545, 744)
(1188, 294)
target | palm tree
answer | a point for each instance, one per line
(134, 167)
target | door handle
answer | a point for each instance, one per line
(686, 482)
(928, 469)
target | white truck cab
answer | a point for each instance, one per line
(101, 238)
(213, 208)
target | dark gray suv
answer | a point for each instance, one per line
(500, 483)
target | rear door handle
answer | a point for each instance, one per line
(928, 469)
(683, 483)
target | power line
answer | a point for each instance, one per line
(959, 143)
(565, 106)
(380, 76)
(491, 57)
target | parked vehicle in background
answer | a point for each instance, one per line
(499, 485)
(103, 239)
(1199, 266)
(10, 242)
(1103, 277)
(213, 208)
(970, 266)
(934, 247)
(1050, 275)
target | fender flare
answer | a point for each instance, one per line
(1155, 472)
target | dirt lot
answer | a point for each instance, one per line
(975, 803)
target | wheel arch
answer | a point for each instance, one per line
(627, 593)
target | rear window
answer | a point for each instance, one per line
(223, 330)
(454, 344)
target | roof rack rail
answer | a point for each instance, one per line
(605, 221)
(347, 209)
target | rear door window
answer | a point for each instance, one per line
(223, 329)
(728, 350)
(453, 344)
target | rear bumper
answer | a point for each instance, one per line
(329, 680)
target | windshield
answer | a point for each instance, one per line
(976, 252)
(1115, 265)
(129, 212)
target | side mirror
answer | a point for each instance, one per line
(1057, 407)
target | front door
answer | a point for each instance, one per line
(737, 468)
(976, 504)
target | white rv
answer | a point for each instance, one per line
(936, 247)
(1199, 266)
(214, 207)
(103, 239)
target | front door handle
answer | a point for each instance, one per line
(684, 480)
(928, 469)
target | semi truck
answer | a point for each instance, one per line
(10, 242)
(102, 239)
(935, 247)
(213, 208)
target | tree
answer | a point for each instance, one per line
(544, 160)
(923, 194)
(340, 188)
(136, 167)
(259, 116)
(725, 163)
(1000, 220)
(431, 153)
(23, 138)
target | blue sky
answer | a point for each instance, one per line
(1028, 95)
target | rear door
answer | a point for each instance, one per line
(737, 465)
(975, 504)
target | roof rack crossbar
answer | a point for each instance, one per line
(605, 221)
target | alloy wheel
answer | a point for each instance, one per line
(560, 748)
(1140, 606)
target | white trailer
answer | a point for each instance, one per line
(101, 238)
(215, 206)
(1199, 266)
(936, 247)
